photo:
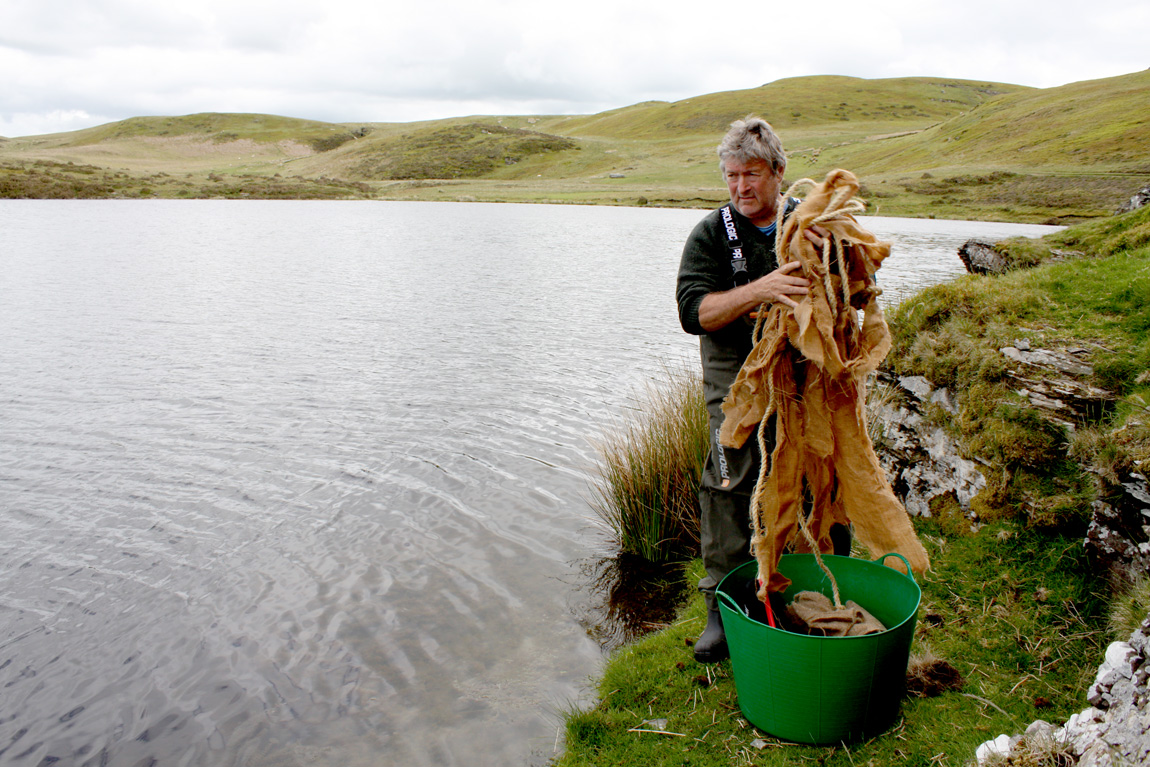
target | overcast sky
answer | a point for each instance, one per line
(70, 64)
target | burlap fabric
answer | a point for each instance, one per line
(809, 367)
(820, 617)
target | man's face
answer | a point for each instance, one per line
(754, 189)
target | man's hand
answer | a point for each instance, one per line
(718, 310)
(778, 286)
(817, 236)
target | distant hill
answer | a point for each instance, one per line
(923, 146)
(795, 104)
(1101, 124)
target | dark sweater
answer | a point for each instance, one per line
(706, 268)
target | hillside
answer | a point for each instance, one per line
(923, 147)
(794, 104)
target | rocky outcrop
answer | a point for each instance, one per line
(1118, 537)
(1113, 732)
(1048, 378)
(981, 257)
(1140, 198)
(921, 461)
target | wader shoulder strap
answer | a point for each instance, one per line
(738, 261)
(739, 271)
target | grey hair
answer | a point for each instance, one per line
(752, 138)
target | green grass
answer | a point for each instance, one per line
(1014, 611)
(217, 127)
(852, 105)
(1098, 124)
(1131, 606)
(461, 151)
(647, 487)
(43, 179)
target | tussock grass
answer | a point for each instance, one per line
(648, 482)
(1131, 607)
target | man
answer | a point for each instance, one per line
(722, 279)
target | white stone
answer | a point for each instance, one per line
(1000, 746)
(917, 385)
(1107, 676)
(1120, 657)
(943, 399)
(1039, 729)
(1096, 755)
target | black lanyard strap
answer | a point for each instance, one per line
(738, 261)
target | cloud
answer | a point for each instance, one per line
(36, 123)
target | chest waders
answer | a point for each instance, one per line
(729, 474)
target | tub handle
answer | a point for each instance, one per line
(909, 572)
(723, 597)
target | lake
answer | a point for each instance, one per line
(288, 483)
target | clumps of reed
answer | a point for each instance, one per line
(647, 481)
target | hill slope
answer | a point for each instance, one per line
(923, 146)
(794, 104)
(1100, 124)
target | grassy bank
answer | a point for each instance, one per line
(1013, 603)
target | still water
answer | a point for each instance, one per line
(288, 483)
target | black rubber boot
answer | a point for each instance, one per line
(711, 647)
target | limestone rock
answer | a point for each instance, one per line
(1048, 378)
(999, 747)
(1118, 537)
(1113, 732)
(981, 257)
(1045, 358)
(1140, 198)
(921, 460)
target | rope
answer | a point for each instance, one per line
(841, 205)
(819, 558)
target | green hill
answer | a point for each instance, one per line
(796, 104)
(1102, 125)
(923, 147)
(218, 128)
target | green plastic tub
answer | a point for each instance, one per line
(822, 690)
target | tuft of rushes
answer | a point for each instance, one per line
(647, 481)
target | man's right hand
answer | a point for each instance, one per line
(780, 285)
(718, 310)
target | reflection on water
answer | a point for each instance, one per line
(630, 597)
(305, 482)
